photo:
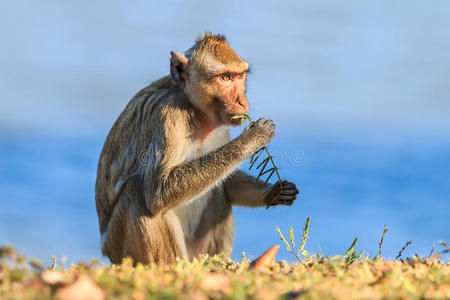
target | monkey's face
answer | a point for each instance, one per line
(220, 93)
(214, 78)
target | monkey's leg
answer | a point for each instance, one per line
(133, 232)
(215, 232)
(153, 239)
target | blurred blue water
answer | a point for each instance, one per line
(359, 91)
(348, 188)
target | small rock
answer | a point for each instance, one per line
(215, 282)
(83, 288)
(52, 277)
(138, 295)
(197, 295)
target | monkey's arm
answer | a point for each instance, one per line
(244, 190)
(167, 187)
(169, 180)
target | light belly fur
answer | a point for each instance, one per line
(190, 213)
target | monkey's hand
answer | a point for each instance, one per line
(257, 134)
(281, 195)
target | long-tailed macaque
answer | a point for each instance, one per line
(167, 175)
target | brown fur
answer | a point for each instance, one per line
(166, 176)
(217, 46)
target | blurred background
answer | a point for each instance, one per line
(360, 93)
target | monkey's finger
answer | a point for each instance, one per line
(275, 190)
(286, 201)
(250, 125)
(289, 192)
(286, 182)
(289, 203)
(287, 197)
(261, 121)
(270, 123)
(288, 187)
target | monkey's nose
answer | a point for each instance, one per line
(239, 101)
(242, 104)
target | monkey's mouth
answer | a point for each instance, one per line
(233, 121)
(237, 119)
(225, 112)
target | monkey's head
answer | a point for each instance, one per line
(214, 78)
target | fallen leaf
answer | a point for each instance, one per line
(263, 262)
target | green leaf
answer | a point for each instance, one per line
(265, 161)
(262, 169)
(349, 250)
(305, 235)
(288, 248)
(254, 158)
(267, 171)
(291, 237)
(53, 267)
(270, 175)
(242, 116)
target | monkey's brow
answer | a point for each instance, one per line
(229, 71)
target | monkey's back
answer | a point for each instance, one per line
(124, 154)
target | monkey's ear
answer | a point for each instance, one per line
(178, 63)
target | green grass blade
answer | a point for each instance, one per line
(351, 248)
(305, 235)
(288, 247)
(291, 237)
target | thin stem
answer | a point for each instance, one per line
(274, 166)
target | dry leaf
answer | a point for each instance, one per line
(263, 262)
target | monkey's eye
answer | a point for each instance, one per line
(225, 77)
(240, 76)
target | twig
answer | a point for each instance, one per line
(432, 251)
(403, 249)
(381, 242)
(443, 251)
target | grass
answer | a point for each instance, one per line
(349, 276)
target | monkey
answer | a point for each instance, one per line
(168, 174)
